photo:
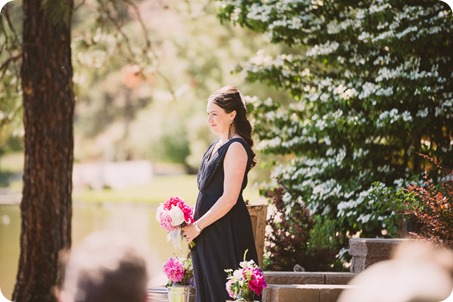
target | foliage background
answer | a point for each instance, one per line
(141, 83)
(371, 87)
(344, 95)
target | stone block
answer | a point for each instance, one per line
(308, 277)
(338, 278)
(294, 278)
(330, 294)
(299, 293)
(302, 293)
(293, 293)
(367, 251)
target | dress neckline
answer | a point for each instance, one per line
(215, 151)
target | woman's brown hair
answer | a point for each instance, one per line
(229, 99)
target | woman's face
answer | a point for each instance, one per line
(218, 119)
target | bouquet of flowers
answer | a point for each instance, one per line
(172, 215)
(179, 271)
(246, 281)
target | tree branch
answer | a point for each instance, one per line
(79, 5)
(140, 21)
(5, 64)
(13, 58)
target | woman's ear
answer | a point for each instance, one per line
(232, 115)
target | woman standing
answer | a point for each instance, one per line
(222, 230)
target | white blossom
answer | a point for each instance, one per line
(422, 112)
(323, 49)
(407, 117)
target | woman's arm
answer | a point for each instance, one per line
(234, 165)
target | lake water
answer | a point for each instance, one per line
(137, 220)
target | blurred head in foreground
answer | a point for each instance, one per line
(105, 267)
(417, 272)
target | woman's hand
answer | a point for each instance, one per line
(190, 233)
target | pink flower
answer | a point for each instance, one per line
(174, 270)
(229, 289)
(172, 201)
(179, 271)
(257, 282)
(165, 221)
(188, 213)
(185, 208)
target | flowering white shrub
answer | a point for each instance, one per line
(372, 83)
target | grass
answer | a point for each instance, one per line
(11, 166)
(156, 192)
(12, 162)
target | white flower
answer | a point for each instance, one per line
(237, 274)
(159, 210)
(407, 116)
(176, 215)
(422, 113)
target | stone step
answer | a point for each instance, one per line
(279, 293)
(338, 278)
(303, 292)
(290, 287)
(368, 251)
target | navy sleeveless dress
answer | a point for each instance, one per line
(222, 244)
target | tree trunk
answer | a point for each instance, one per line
(48, 100)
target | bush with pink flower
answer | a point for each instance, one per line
(246, 281)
